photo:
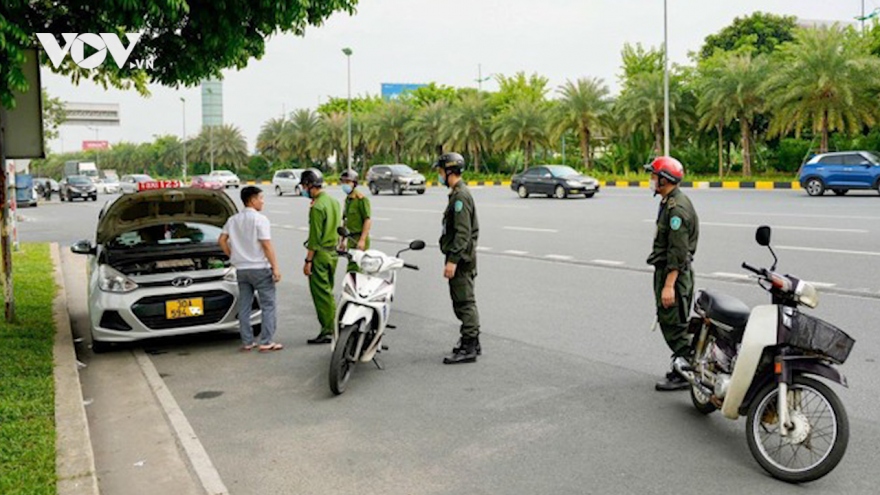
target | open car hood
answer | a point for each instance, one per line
(160, 206)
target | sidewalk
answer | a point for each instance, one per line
(136, 450)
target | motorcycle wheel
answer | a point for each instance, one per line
(816, 443)
(701, 402)
(343, 359)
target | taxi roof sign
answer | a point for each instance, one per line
(151, 185)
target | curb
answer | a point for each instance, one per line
(199, 461)
(623, 184)
(74, 457)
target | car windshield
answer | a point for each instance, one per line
(402, 169)
(142, 178)
(875, 157)
(79, 181)
(167, 234)
(562, 171)
(224, 172)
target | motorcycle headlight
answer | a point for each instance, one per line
(807, 294)
(231, 275)
(111, 280)
(370, 264)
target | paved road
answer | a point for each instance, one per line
(562, 402)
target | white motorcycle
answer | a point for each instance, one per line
(756, 363)
(363, 310)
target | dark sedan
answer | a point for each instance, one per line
(553, 180)
(78, 186)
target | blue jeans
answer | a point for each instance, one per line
(259, 280)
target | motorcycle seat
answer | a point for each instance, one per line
(723, 309)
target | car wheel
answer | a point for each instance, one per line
(278, 190)
(421, 191)
(815, 187)
(840, 192)
(297, 191)
(237, 186)
(100, 347)
(61, 197)
(561, 193)
(373, 189)
(95, 198)
(522, 191)
(396, 189)
(589, 195)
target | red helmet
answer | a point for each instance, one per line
(667, 167)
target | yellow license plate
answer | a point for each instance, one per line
(184, 308)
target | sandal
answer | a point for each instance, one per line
(272, 346)
(246, 348)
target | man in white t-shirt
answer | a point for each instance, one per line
(247, 241)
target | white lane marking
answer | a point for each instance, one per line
(823, 250)
(741, 276)
(409, 210)
(291, 227)
(304, 229)
(518, 253)
(483, 248)
(608, 262)
(381, 219)
(559, 257)
(821, 284)
(511, 207)
(777, 227)
(800, 215)
(278, 212)
(530, 229)
(388, 238)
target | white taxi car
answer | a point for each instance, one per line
(156, 268)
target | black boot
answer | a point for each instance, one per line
(478, 347)
(672, 381)
(466, 352)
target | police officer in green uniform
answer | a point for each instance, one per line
(356, 215)
(675, 242)
(320, 265)
(459, 244)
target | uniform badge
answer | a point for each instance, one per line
(675, 223)
(458, 206)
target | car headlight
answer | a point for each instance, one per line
(573, 183)
(111, 280)
(231, 275)
(807, 294)
(370, 264)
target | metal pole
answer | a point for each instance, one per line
(211, 134)
(8, 291)
(480, 76)
(97, 155)
(665, 82)
(863, 17)
(348, 59)
(563, 148)
(183, 100)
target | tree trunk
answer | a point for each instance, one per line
(747, 157)
(658, 140)
(476, 157)
(823, 148)
(528, 157)
(720, 148)
(585, 146)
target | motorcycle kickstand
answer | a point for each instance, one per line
(378, 363)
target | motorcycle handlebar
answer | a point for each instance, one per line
(411, 267)
(753, 269)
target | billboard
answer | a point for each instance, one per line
(95, 145)
(392, 91)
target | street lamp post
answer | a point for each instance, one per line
(348, 52)
(211, 133)
(183, 100)
(665, 82)
(97, 155)
(480, 77)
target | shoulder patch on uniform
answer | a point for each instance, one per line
(670, 203)
(459, 205)
(675, 223)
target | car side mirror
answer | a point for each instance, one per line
(417, 245)
(83, 247)
(762, 235)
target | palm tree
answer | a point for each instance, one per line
(425, 127)
(331, 136)
(641, 105)
(580, 109)
(230, 146)
(522, 125)
(270, 141)
(390, 125)
(825, 81)
(467, 126)
(302, 135)
(731, 89)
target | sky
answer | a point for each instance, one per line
(422, 41)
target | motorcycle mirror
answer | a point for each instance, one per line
(762, 235)
(417, 245)
(342, 231)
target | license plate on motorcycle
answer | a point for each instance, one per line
(184, 308)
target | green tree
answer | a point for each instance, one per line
(302, 135)
(760, 31)
(425, 128)
(637, 60)
(428, 94)
(467, 127)
(826, 80)
(332, 136)
(187, 41)
(581, 109)
(519, 87)
(522, 125)
(390, 125)
(731, 89)
(271, 140)
(230, 147)
(641, 106)
(53, 116)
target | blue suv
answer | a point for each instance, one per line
(841, 172)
